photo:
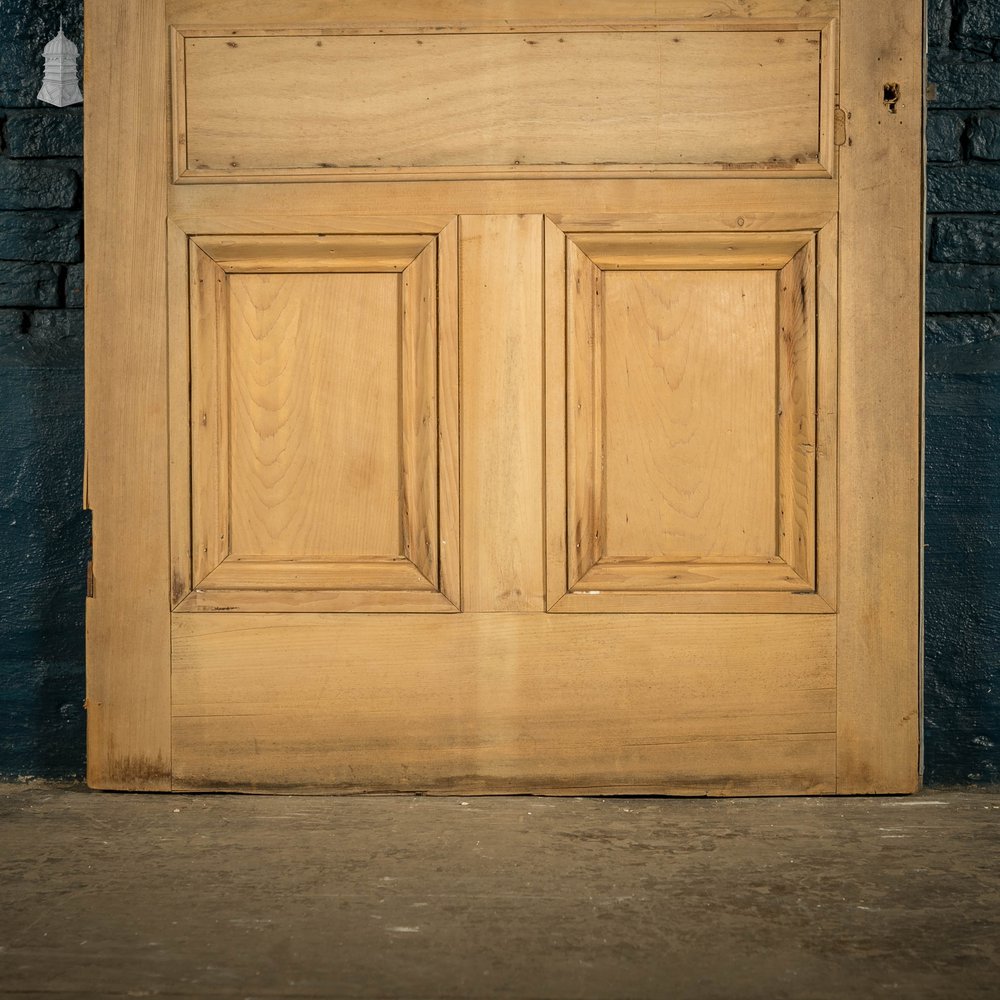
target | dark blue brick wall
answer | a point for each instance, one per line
(962, 588)
(43, 533)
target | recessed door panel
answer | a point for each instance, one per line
(693, 420)
(429, 99)
(315, 413)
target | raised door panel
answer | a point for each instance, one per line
(472, 90)
(296, 399)
(315, 453)
(699, 422)
(689, 362)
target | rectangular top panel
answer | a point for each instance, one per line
(620, 100)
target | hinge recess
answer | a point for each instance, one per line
(839, 126)
(90, 577)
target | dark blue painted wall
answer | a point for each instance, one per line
(43, 534)
(962, 588)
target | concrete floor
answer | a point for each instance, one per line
(108, 895)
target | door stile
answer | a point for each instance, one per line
(128, 617)
(878, 634)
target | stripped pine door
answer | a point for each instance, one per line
(504, 397)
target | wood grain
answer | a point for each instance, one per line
(179, 291)
(315, 440)
(468, 15)
(210, 413)
(827, 406)
(556, 500)
(693, 601)
(315, 415)
(737, 211)
(878, 637)
(448, 418)
(327, 254)
(829, 110)
(689, 446)
(306, 574)
(796, 423)
(344, 601)
(583, 416)
(502, 435)
(126, 156)
(622, 386)
(419, 413)
(253, 219)
(724, 203)
(698, 690)
(291, 102)
(740, 573)
(555, 703)
(672, 251)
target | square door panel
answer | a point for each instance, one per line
(315, 397)
(699, 385)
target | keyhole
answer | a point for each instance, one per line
(890, 96)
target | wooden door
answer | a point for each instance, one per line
(504, 397)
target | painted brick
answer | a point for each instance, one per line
(50, 338)
(54, 132)
(25, 184)
(960, 288)
(13, 322)
(28, 285)
(45, 539)
(984, 137)
(963, 345)
(964, 396)
(979, 19)
(48, 236)
(42, 413)
(939, 17)
(42, 721)
(962, 84)
(32, 21)
(973, 187)
(966, 329)
(944, 136)
(74, 286)
(962, 577)
(963, 359)
(57, 337)
(38, 20)
(966, 239)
